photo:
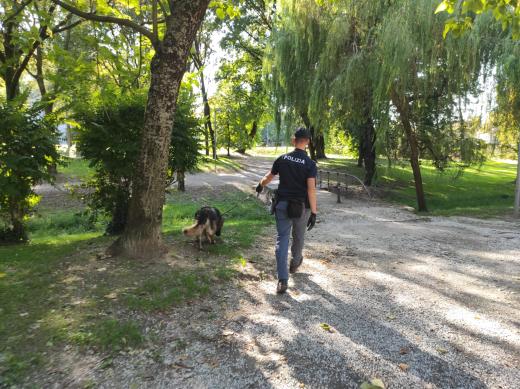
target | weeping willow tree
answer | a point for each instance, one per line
(291, 61)
(422, 75)
(347, 74)
(508, 100)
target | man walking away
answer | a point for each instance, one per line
(295, 204)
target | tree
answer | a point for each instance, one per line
(506, 12)
(291, 60)
(508, 102)
(26, 152)
(467, 14)
(142, 236)
(24, 26)
(200, 53)
(109, 139)
(242, 94)
(429, 72)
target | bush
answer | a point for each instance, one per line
(27, 152)
(109, 137)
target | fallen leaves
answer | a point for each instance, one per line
(327, 327)
(404, 366)
(404, 350)
(375, 383)
(441, 350)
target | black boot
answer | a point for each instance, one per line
(282, 286)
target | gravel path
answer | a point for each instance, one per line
(416, 302)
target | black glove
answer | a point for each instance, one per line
(259, 188)
(311, 222)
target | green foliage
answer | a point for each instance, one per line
(505, 12)
(27, 151)
(184, 149)
(109, 139)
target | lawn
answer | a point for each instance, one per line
(487, 190)
(60, 290)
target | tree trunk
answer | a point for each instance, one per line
(206, 140)
(307, 123)
(361, 151)
(228, 140)
(119, 217)
(254, 130)
(369, 151)
(517, 191)
(319, 145)
(181, 181)
(142, 237)
(207, 115)
(401, 104)
(16, 233)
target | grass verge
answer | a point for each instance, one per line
(61, 290)
(483, 191)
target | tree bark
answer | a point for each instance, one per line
(228, 140)
(142, 237)
(361, 151)
(319, 145)
(369, 151)
(402, 106)
(207, 115)
(517, 190)
(206, 139)
(181, 181)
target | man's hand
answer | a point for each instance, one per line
(311, 222)
(259, 188)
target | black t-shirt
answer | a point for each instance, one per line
(294, 169)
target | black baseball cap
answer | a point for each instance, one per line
(302, 133)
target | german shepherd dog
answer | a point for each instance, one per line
(208, 222)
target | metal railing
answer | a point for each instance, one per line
(336, 182)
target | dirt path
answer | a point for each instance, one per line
(417, 302)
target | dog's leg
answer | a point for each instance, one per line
(200, 242)
(208, 237)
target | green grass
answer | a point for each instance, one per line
(60, 290)
(487, 190)
(76, 169)
(223, 163)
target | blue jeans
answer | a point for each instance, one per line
(284, 225)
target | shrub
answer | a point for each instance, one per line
(27, 152)
(109, 137)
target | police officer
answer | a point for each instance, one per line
(295, 203)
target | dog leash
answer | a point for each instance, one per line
(229, 210)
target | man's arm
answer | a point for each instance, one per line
(267, 179)
(311, 192)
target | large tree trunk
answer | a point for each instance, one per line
(319, 145)
(369, 151)
(402, 106)
(517, 191)
(142, 237)
(361, 151)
